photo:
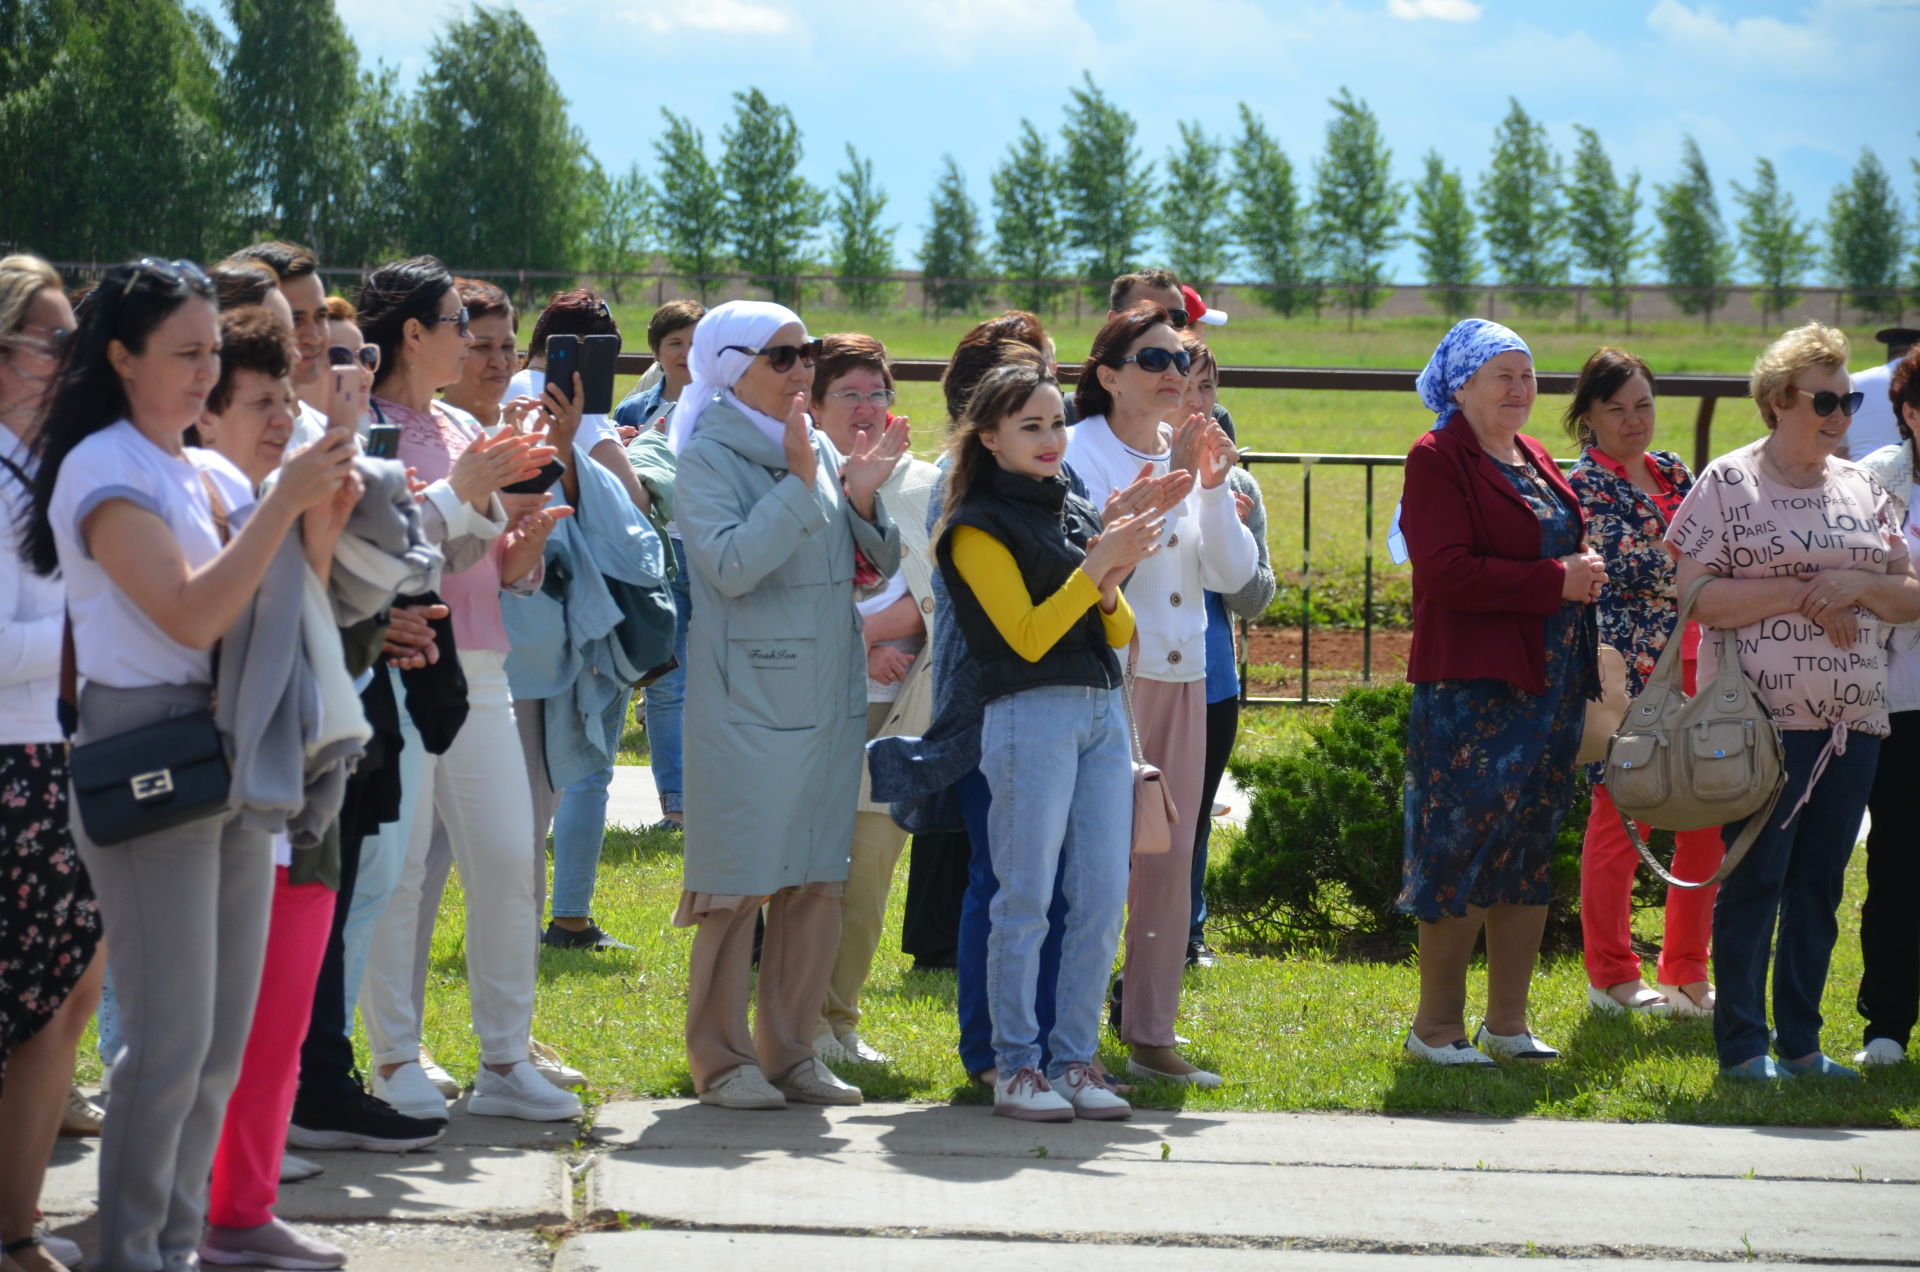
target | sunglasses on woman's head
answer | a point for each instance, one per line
(1826, 401)
(171, 272)
(459, 315)
(1155, 360)
(780, 357)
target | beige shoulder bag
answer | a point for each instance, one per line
(1153, 810)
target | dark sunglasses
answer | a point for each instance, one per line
(367, 355)
(1826, 401)
(1154, 361)
(781, 357)
(459, 315)
(1178, 318)
(173, 273)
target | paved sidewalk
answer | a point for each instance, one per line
(926, 1188)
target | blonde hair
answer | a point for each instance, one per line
(22, 277)
(1814, 345)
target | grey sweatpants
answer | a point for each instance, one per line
(186, 915)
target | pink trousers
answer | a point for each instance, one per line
(1172, 719)
(246, 1168)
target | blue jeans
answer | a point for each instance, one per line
(664, 700)
(970, 944)
(1794, 876)
(1057, 764)
(580, 827)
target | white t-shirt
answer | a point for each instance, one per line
(1903, 644)
(308, 427)
(31, 618)
(113, 641)
(1874, 426)
(594, 429)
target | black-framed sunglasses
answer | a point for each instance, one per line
(1179, 318)
(781, 357)
(1156, 360)
(459, 315)
(173, 272)
(1826, 401)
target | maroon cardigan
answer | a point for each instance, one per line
(1481, 590)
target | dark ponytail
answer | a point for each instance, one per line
(395, 293)
(130, 302)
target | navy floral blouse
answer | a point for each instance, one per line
(1625, 525)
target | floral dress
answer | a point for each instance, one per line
(1490, 767)
(49, 921)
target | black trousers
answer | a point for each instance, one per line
(936, 884)
(1889, 932)
(1223, 726)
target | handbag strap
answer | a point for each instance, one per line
(1666, 672)
(1735, 851)
(1126, 698)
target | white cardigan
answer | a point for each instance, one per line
(1205, 548)
(32, 617)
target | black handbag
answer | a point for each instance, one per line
(152, 778)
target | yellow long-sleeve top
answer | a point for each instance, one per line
(1030, 629)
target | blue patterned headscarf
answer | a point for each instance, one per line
(1470, 345)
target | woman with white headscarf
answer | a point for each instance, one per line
(776, 523)
(1503, 662)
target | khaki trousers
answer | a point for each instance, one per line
(877, 843)
(796, 956)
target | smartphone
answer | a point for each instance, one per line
(541, 482)
(383, 441)
(563, 361)
(597, 354)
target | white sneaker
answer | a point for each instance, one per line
(1025, 1096)
(62, 1250)
(744, 1088)
(811, 1082)
(1091, 1095)
(1457, 1052)
(410, 1091)
(554, 1069)
(443, 1082)
(1879, 1052)
(521, 1092)
(294, 1169)
(827, 1047)
(857, 1049)
(1520, 1046)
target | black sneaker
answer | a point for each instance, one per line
(589, 938)
(1200, 954)
(362, 1122)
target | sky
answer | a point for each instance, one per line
(1807, 84)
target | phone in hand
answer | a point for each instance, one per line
(383, 441)
(540, 483)
(597, 354)
(563, 361)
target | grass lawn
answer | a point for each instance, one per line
(1296, 1032)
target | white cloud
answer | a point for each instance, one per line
(715, 17)
(1438, 10)
(1749, 40)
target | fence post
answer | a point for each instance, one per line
(1489, 304)
(1366, 604)
(1702, 433)
(1306, 579)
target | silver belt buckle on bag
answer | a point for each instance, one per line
(151, 786)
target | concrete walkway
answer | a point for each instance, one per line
(907, 1188)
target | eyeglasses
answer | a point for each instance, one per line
(1826, 401)
(1179, 318)
(459, 315)
(847, 397)
(52, 345)
(367, 355)
(1156, 360)
(780, 357)
(175, 273)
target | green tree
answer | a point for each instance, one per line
(772, 211)
(287, 103)
(1106, 187)
(862, 246)
(1692, 248)
(951, 258)
(1522, 214)
(366, 221)
(1865, 238)
(1029, 239)
(111, 137)
(620, 221)
(1444, 235)
(1267, 220)
(1601, 211)
(1194, 213)
(497, 173)
(1777, 244)
(691, 215)
(1356, 203)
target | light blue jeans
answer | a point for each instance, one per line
(664, 702)
(580, 826)
(1057, 763)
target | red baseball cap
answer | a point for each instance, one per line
(1197, 310)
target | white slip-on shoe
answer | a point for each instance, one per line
(857, 1049)
(1457, 1052)
(521, 1092)
(1091, 1095)
(1683, 1005)
(443, 1082)
(62, 1250)
(1201, 1078)
(554, 1069)
(743, 1088)
(1520, 1046)
(811, 1082)
(1881, 1051)
(293, 1169)
(1025, 1096)
(827, 1047)
(1644, 1002)
(410, 1091)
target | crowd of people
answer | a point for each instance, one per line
(409, 584)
